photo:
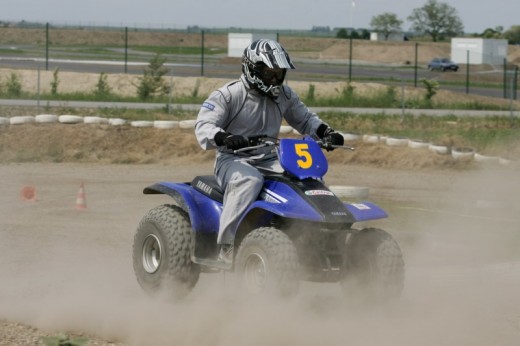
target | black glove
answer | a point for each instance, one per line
(329, 137)
(232, 142)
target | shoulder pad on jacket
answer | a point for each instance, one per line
(287, 92)
(226, 92)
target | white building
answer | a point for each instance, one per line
(478, 51)
(379, 36)
(238, 42)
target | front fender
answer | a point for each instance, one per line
(365, 211)
(204, 212)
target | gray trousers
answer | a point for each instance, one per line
(242, 183)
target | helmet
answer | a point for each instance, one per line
(264, 64)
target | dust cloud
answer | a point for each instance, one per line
(66, 270)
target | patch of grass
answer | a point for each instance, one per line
(488, 134)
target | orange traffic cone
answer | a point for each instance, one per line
(81, 201)
(28, 193)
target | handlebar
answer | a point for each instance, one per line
(261, 141)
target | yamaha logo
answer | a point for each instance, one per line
(204, 187)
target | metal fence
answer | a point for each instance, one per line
(198, 52)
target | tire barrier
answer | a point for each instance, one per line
(165, 124)
(397, 141)
(351, 136)
(141, 123)
(370, 138)
(284, 129)
(23, 119)
(95, 120)
(486, 159)
(438, 149)
(70, 119)
(187, 124)
(417, 144)
(456, 153)
(116, 121)
(462, 153)
(46, 118)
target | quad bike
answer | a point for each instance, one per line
(297, 229)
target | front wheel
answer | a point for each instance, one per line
(161, 253)
(267, 263)
(374, 268)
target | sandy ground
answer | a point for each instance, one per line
(70, 271)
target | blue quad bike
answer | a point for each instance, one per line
(297, 229)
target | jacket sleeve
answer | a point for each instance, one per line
(212, 115)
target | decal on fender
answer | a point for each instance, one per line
(360, 206)
(318, 193)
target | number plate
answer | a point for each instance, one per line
(303, 158)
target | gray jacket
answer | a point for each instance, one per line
(238, 109)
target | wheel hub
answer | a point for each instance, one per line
(255, 273)
(151, 254)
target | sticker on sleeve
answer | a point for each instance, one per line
(208, 105)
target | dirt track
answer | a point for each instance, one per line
(67, 270)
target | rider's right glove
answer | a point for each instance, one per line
(233, 142)
(330, 137)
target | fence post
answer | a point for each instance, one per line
(516, 82)
(47, 46)
(416, 63)
(126, 49)
(467, 72)
(202, 54)
(505, 78)
(350, 60)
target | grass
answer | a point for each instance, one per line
(490, 134)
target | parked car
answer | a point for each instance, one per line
(442, 64)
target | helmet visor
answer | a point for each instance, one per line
(269, 74)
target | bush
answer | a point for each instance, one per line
(102, 89)
(13, 86)
(152, 82)
(55, 81)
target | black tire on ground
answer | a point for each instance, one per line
(161, 253)
(374, 271)
(267, 264)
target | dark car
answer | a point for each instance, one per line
(442, 64)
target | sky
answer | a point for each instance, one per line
(476, 16)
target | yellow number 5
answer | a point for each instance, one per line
(302, 151)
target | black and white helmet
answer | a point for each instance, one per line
(261, 56)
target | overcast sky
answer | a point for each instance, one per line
(266, 14)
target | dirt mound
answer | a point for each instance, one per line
(94, 143)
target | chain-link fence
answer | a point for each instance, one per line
(197, 52)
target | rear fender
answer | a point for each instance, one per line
(204, 212)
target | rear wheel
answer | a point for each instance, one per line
(374, 269)
(161, 253)
(267, 263)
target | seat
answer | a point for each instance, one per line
(208, 185)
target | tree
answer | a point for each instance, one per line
(342, 33)
(436, 19)
(493, 33)
(386, 23)
(513, 34)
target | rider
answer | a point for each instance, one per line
(251, 106)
